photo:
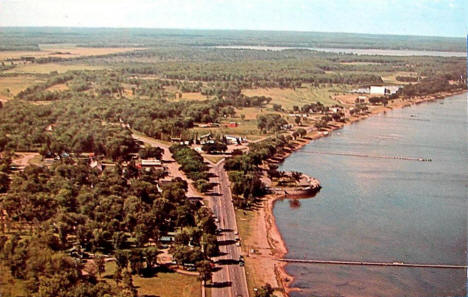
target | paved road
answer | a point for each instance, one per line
(229, 280)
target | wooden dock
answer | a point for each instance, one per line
(364, 263)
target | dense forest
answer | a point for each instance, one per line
(30, 38)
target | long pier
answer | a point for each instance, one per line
(364, 263)
(370, 156)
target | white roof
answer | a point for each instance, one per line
(150, 163)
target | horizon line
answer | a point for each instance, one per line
(465, 36)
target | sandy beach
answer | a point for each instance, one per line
(264, 237)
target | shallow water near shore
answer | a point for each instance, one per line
(384, 210)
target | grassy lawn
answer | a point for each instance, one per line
(164, 284)
(245, 128)
(213, 158)
(300, 96)
(244, 225)
(163, 142)
(59, 87)
(16, 84)
(197, 96)
(390, 78)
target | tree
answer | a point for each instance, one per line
(117, 276)
(264, 291)
(297, 120)
(127, 281)
(295, 134)
(205, 270)
(136, 261)
(301, 132)
(151, 152)
(100, 262)
(277, 107)
(4, 182)
(296, 175)
(214, 147)
(121, 259)
(150, 254)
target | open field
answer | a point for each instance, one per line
(167, 284)
(360, 63)
(49, 67)
(245, 128)
(15, 84)
(63, 51)
(300, 96)
(391, 77)
(59, 87)
(193, 96)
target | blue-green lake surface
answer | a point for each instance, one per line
(383, 210)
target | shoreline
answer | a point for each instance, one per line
(273, 235)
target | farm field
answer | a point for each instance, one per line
(11, 85)
(64, 51)
(49, 67)
(287, 98)
(390, 78)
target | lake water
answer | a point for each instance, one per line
(379, 52)
(384, 210)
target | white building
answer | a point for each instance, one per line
(374, 90)
(150, 163)
(384, 90)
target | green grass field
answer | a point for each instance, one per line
(164, 284)
(390, 78)
(287, 98)
(16, 84)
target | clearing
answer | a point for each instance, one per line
(64, 51)
(287, 98)
(49, 67)
(390, 78)
(12, 85)
(167, 284)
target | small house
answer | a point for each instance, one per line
(232, 139)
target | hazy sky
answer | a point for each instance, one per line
(416, 17)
